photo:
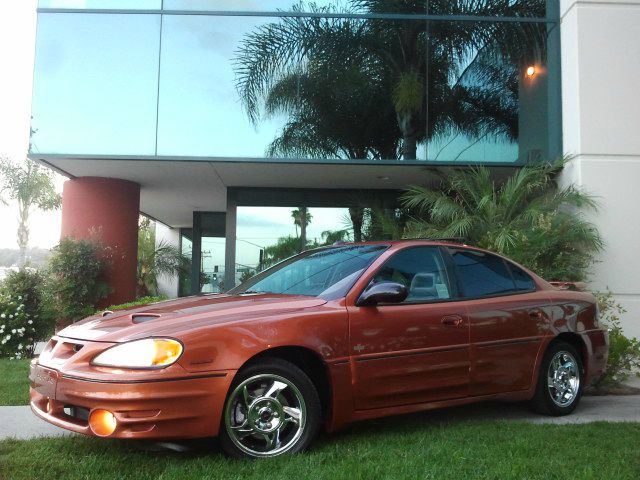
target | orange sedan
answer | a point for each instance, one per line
(329, 337)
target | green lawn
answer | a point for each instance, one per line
(406, 447)
(14, 382)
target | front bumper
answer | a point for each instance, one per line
(189, 407)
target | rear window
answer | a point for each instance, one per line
(481, 274)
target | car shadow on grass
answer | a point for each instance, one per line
(474, 413)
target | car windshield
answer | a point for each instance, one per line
(328, 273)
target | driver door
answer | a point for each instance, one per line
(416, 351)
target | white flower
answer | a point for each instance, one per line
(3, 316)
(19, 297)
(13, 331)
(30, 322)
(2, 326)
(19, 346)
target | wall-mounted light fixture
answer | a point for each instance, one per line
(530, 71)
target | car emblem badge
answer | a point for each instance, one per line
(359, 348)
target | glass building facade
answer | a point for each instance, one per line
(433, 82)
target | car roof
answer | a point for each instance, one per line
(412, 241)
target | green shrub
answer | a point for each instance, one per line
(26, 287)
(17, 330)
(624, 352)
(140, 302)
(528, 218)
(77, 284)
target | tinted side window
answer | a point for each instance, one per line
(481, 274)
(420, 269)
(522, 279)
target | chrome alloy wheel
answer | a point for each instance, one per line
(265, 415)
(563, 379)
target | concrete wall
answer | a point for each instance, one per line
(601, 127)
(168, 285)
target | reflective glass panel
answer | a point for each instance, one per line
(515, 8)
(200, 112)
(102, 4)
(339, 88)
(484, 103)
(245, 5)
(95, 84)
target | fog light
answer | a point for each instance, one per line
(102, 422)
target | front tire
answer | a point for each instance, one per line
(559, 387)
(272, 408)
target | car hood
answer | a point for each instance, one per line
(176, 316)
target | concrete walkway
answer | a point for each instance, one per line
(20, 423)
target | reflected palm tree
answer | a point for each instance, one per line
(324, 105)
(428, 79)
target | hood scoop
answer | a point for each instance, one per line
(144, 317)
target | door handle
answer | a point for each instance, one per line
(452, 320)
(535, 313)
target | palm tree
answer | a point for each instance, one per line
(156, 260)
(440, 71)
(529, 218)
(329, 237)
(301, 218)
(32, 187)
(284, 248)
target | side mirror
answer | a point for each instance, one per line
(383, 292)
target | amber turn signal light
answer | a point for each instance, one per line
(102, 422)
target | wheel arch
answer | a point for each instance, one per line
(578, 343)
(309, 361)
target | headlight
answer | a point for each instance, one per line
(147, 353)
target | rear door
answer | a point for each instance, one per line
(508, 319)
(416, 351)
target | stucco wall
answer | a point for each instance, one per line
(601, 128)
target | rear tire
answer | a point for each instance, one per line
(560, 385)
(272, 408)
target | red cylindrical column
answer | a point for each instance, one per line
(109, 207)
